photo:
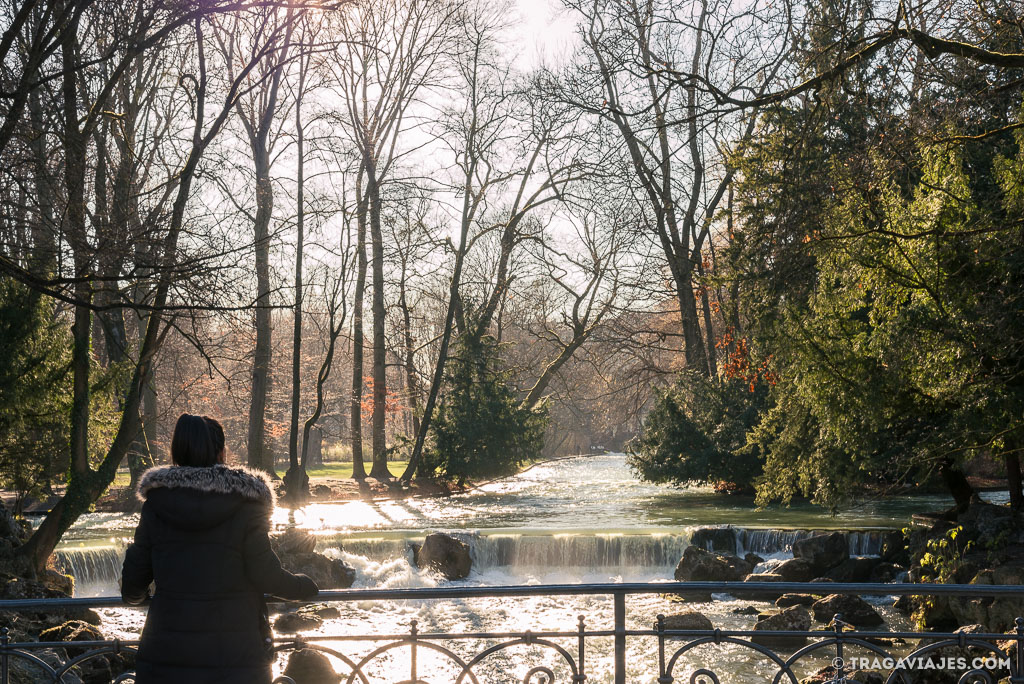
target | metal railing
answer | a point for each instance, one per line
(968, 657)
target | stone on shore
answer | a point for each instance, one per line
(792, 619)
(996, 614)
(309, 666)
(852, 609)
(444, 554)
(823, 551)
(698, 565)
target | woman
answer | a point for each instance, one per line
(202, 537)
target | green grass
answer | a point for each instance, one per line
(336, 471)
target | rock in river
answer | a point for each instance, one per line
(795, 570)
(824, 551)
(296, 549)
(692, 620)
(792, 619)
(852, 609)
(444, 554)
(698, 565)
(721, 539)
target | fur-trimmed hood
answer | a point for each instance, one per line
(218, 479)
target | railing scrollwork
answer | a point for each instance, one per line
(569, 657)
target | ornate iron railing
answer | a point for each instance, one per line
(975, 658)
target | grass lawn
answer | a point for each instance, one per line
(337, 471)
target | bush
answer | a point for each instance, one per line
(697, 433)
(481, 429)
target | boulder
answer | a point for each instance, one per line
(852, 609)
(764, 595)
(297, 622)
(58, 581)
(72, 630)
(823, 551)
(792, 619)
(96, 670)
(827, 675)
(295, 548)
(753, 559)
(787, 600)
(795, 570)
(322, 610)
(886, 572)
(894, 547)
(856, 569)
(309, 666)
(996, 614)
(294, 541)
(746, 610)
(698, 565)
(691, 620)
(444, 554)
(721, 539)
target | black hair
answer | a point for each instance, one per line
(198, 441)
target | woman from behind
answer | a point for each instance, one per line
(203, 539)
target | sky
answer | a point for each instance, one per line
(544, 33)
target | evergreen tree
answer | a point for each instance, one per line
(481, 428)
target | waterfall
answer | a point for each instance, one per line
(772, 541)
(512, 555)
(96, 569)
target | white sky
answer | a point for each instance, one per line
(544, 33)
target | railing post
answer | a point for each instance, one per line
(663, 676)
(620, 638)
(5, 642)
(414, 632)
(581, 676)
(1017, 676)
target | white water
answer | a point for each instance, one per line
(576, 520)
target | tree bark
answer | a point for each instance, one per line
(356, 402)
(411, 384)
(1013, 480)
(295, 479)
(259, 456)
(378, 433)
(955, 480)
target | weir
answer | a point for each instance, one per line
(97, 567)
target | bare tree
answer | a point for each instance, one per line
(390, 55)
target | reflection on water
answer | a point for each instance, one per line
(582, 519)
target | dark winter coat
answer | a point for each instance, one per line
(203, 538)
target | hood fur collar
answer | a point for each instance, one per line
(218, 479)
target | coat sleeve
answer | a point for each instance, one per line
(137, 571)
(264, 570)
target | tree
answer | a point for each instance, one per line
(482, 430)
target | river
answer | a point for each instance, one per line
(582, 519)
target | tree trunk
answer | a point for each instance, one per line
(960, 489)
(356, 402)
(259, 455)
(1013, 480)
(380, 381)
(709, 335)
(412, 386)
(295, 479)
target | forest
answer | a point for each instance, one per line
(773, 246)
